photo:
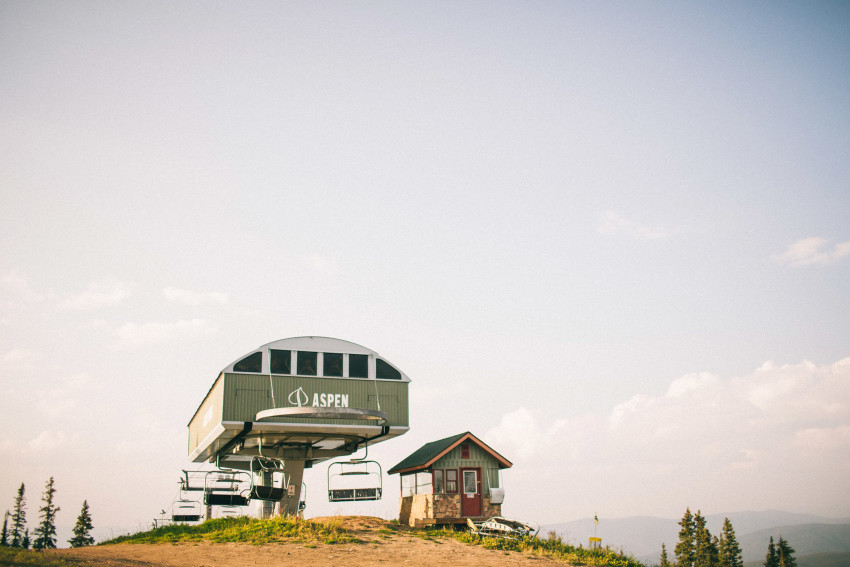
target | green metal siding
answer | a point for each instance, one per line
(210, 411)
(247, 394)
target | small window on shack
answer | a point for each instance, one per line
(439, 485)
(358, 365)
(408, 485)
(451, 481)
(333, 364)
(386, 372)
(423, 483)
(280, 361)
(416, 483)
(464, 451)
(251, 363)
(306, 363)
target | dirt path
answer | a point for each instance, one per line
(381, 548)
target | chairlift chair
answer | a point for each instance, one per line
(268, 493)
(161, 520)
(226, 488)
(186, 511)
(226, 511)
(187, 484)
(342, 489)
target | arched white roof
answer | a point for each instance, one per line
(312, 344)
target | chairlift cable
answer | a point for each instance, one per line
(377, 396)
(271, 386)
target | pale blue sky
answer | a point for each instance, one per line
(551, 216)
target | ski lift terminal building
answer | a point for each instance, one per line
(299, 401)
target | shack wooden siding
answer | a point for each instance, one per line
(247, 394)
(478, 457)
(208, 416)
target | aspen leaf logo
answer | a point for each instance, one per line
(298, 397)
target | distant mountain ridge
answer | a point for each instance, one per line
(806, 539)
(642, 536)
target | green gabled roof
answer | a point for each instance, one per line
(428, 453)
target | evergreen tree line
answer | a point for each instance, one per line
(780, 554)
(698, 548)
(44, 536)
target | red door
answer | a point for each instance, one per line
(470, 498)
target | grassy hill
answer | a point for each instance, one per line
(250, 541)
(244, 529)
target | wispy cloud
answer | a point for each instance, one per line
(528, 433)
(62, 399)
(20, 359)
(97, 295)
(195, 298)
(143, 334)
(814, 250)
(18, 285)
(820, 439)
(48, 441)
(613, 223)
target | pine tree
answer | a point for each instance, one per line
(665, 562)
(685, 550)
(26, 541)
(19, 519)
(715, 543)
(772, 558)
(705, 550)
(82, 528)
(4, 542)
(785, 554)
(728, 549)
(45, 533)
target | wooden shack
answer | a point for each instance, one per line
(450, 480)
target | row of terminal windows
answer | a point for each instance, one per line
(306, 363)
